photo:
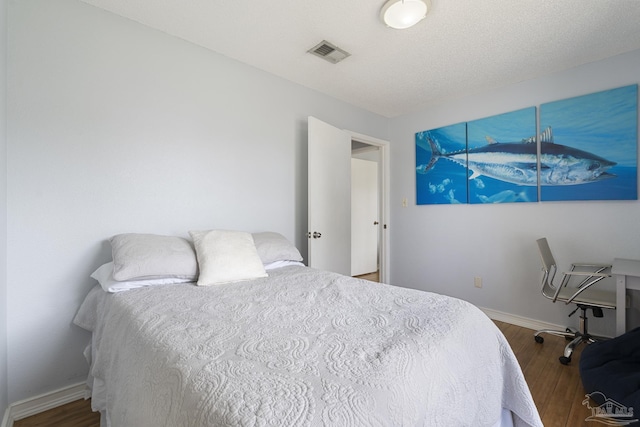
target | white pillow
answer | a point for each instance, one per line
(226, 256)
(273, 247)
(279, 264)
(104, 276)
(150, 256)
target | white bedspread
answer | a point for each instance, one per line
(300, 348)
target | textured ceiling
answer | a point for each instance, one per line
(462, 47)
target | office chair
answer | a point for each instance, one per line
(585, 296)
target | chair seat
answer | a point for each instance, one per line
(591, 296)
(587, 297)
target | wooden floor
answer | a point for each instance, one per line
(74, 414)
(556, 389)
(374, 277)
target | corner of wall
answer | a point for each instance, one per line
(3, 210)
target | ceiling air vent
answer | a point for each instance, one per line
(329, 52)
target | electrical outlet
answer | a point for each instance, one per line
(477, 282)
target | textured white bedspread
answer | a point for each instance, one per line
(300, 348)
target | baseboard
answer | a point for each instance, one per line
(5, 419)
(35, 405)
(523, 322)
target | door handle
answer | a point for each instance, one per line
(375, 223)
(317, 235)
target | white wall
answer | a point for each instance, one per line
(114, 127)
(441, 248)
(3, 209)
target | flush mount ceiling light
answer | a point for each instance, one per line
(401, 14)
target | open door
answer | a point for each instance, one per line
(329, 224)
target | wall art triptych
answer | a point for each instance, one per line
(586, 149)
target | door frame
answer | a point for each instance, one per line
(383, 197)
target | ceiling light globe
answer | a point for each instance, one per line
(401, 14)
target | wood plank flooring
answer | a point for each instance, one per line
(74, 414)
(374, 277)
(556, 389)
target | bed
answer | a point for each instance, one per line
(296, 347)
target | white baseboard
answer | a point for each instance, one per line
(523, 322)
(35, 405)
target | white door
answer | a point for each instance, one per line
(364, 217)
(329, 168)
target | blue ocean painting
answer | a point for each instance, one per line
(502, 158)
(443, 181)
(589, 147)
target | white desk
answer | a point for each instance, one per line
(627, 274)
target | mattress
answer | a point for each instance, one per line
(302, 347)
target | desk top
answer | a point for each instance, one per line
(626, 267)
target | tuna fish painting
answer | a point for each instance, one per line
(586, 150)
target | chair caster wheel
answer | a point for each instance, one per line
(538, 339)
(564, 360)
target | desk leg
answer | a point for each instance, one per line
(621, 305)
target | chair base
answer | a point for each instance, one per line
(576, 337)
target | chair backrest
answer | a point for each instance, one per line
(549, 268)
(548, 262)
